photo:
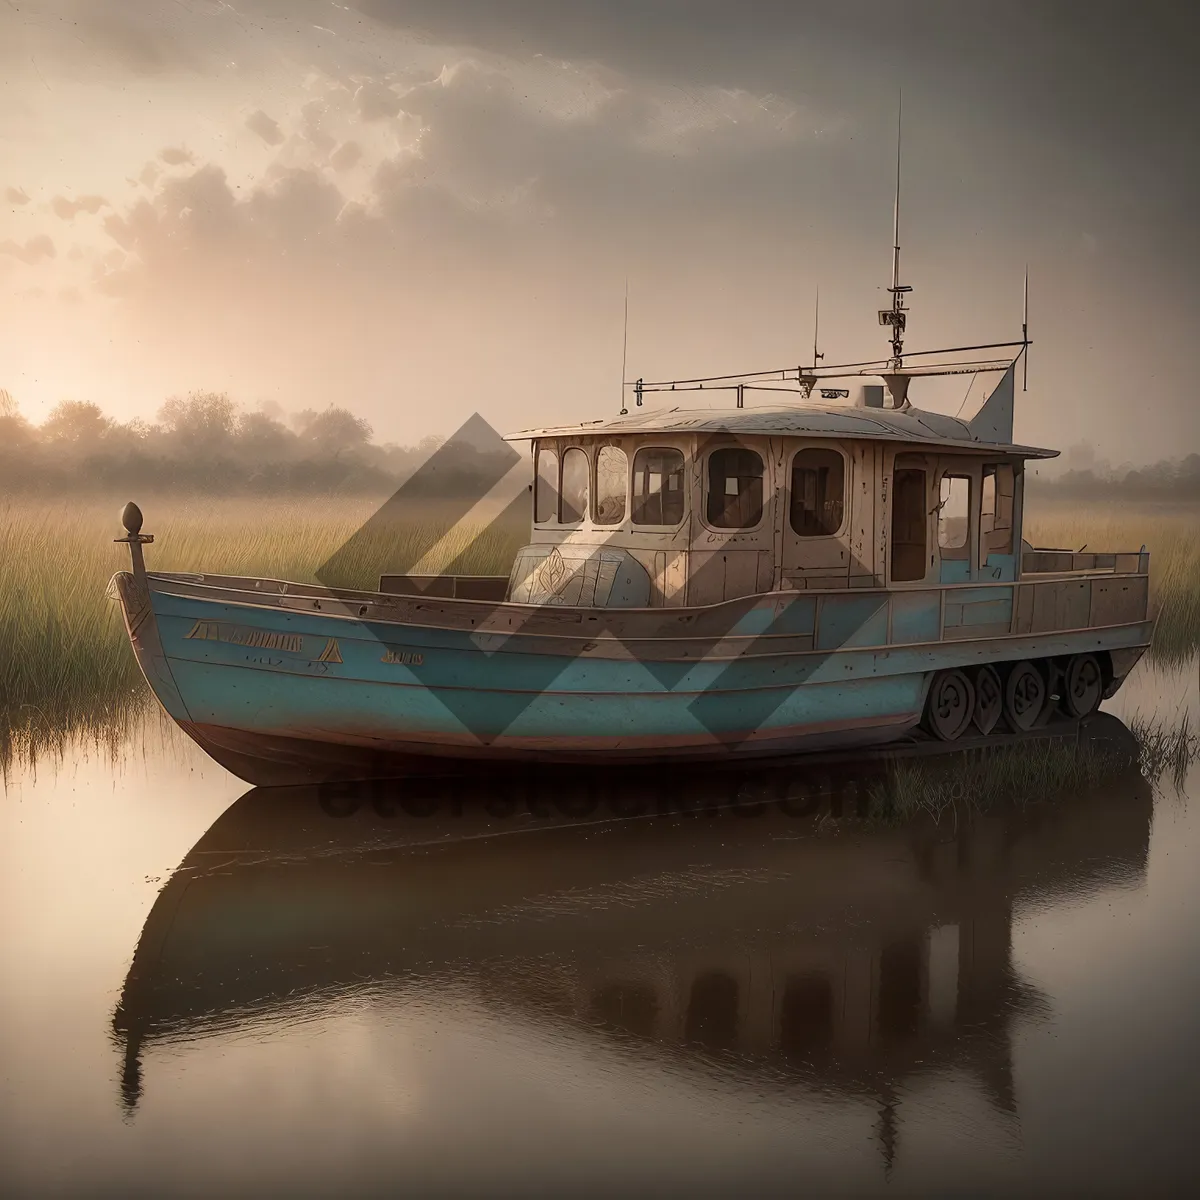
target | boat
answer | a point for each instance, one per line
(746, 583)
(720, 584)
(819, 565)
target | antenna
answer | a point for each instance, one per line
(1025, 335)
(896, 316)
(625, 348)
(816, 326)
(896, 202)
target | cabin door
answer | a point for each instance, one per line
(910, 520)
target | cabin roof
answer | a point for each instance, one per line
(911, 425)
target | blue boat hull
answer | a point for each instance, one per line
(316, 685)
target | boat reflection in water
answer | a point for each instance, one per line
(754, 941)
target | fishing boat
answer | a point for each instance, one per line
(819, 565)
(720, 584)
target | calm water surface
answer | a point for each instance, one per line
(213, 991)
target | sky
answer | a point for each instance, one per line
(421, 209)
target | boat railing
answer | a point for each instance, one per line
(1040, 561)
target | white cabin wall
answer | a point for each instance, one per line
(862, 497)
(1018, 517)
(696, 564)
(778, 451)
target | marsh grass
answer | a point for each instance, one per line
(65, 663)
(968, 785)
(1166, 749)
(1034, 771)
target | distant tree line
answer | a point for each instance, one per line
(1170, 480)
(203, 442)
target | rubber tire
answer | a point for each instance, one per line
(950, 706)
(989, 699)
(1082, 686)
(1025, 696)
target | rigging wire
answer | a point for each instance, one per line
(829, 372)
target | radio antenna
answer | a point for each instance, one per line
(896, 201)
(624, 348)
(896, 316)
(1025, 334)
(816, 326)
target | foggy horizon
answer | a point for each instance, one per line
(417, 211)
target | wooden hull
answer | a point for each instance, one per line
(283, 683)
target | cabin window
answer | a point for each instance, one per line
(545, 507)
(612, 482)
(735, 489)
(954, 515)
(573, 501)
(657, 487)
(908, 524)
(996, 511)
(818, 492)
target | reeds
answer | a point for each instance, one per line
(966, 785)
(957, 787)
(1166, 749)
(65, 663)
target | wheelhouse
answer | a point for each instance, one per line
(689, 508)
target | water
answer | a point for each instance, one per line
(215, 991)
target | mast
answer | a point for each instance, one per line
(896, 316)
(625, 349)
(1025, 335)
(817, 355)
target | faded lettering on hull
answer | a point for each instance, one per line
(241, 635)
(401, 655)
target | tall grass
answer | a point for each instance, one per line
(963, 786)
(1030, 771)
(65, 663)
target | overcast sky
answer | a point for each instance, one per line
(424, 208)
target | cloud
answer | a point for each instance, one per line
(376, 101)
(494, 162)
(347, 155)
(32, 251)
(16, 195)
(141, 37)
(66, 210)
(266, 127)
(316, 114)
(1120, 115)
(487, 204)
(176, 156)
